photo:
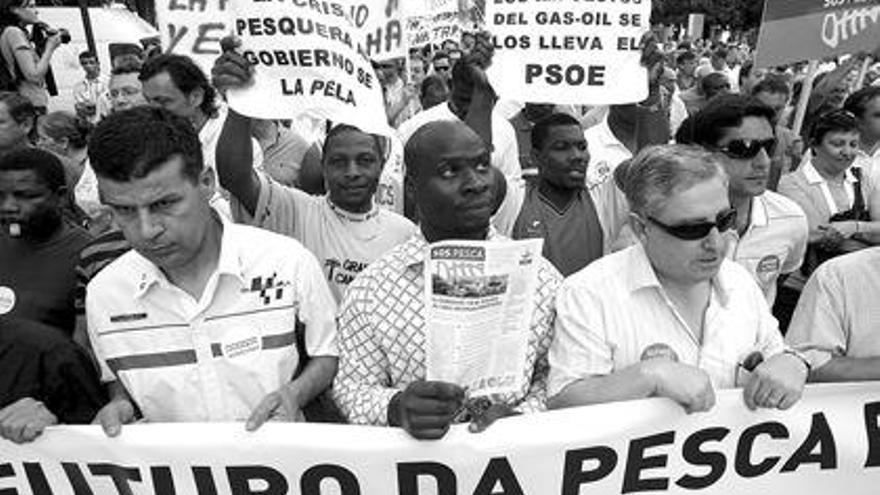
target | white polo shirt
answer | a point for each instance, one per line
(344, 242)
(214, 359)
(606, 153)
(505, 153)
(610, 312)
(774, 243)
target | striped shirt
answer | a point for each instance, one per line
(215, 358)
(97, 254)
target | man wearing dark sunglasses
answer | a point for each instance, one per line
(671, 316)
(770, 234)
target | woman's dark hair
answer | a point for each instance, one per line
(836, 121)
(7, 18)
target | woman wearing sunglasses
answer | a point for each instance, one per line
(671, 316)
(833, 195)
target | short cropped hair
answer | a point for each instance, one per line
(185, 74)
(46, 165)
(127, 67)
(725, 112)
(772, 84)
(834, 121)
(20, 109)
(656, 173)
(857, 103)
(131, 144)
(542, 128)
(378, 141)
(685, 56)
(87, 54)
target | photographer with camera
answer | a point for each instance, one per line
(25, 69)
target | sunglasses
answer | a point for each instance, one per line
(748, 149)
(724, 221)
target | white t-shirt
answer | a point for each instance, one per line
(344, 243)
(505, 156)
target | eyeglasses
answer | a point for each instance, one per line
(747, 149)
(724, 221)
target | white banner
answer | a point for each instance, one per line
(435, 29)
(381, 22)
(575, 52)
(828, 443)
(306, 61)
(194, 28)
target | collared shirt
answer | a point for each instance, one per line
(215, 358)
(606, 153)
(817, 198)
(774, 243)
(612, 311)
(344, 242)
(838, 314)
(382, 336)
(93, 91)
(505, 156)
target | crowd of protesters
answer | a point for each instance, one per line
(165, 258)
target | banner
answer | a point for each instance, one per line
(381, 22)
(828, 443)
(194, 28)
(307, 61)
(434, 29)
(799, 30)
(574, 52)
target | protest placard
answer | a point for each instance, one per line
(194, 28)
(306, 62)
(569, 51)
(828, 443)
(434, 29)
(794, 31)
(382, 24)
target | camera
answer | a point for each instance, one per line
(48, 31)
(65, 34)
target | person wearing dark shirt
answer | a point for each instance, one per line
(97, 254)
(44, 379)
(38, 247)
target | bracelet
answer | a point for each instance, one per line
(801, 357)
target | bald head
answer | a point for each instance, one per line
(436, 140)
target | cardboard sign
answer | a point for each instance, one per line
(307, 61)
(573, 53)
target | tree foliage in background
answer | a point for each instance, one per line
(735, 14)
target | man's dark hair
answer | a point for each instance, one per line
(726, 112)
(186, 75)
(128, 67)
(438, 55)
(720, 53)
(834, 121)
(87, 54)
(21, 110)
(378, 141)
(857, 103)
(131, 144)
(542, 128)
(46, 165)
(685, 56)
(772, 84)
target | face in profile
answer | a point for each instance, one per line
(161, 91)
